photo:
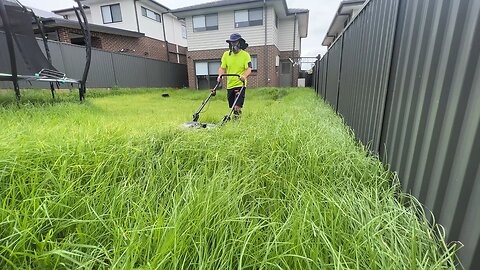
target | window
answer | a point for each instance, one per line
(248, 17)
(151, 14)
(111, 13)
(254, 62)
(184, 31)
(286, 67)
(207, 68)
(205, 22)
(206, 73)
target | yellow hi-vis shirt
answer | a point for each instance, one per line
(235, 64)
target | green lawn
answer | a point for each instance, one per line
(117, 183)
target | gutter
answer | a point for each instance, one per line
(294, 39)
(165, 36)
(136, 15)
(265, 45)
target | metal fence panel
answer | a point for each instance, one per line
(166, 74)
(325, 73)
(432, 134)
(315, 75)
(367, 49)
(321, 76)
(410, 87)
(102, 70)
(333, 73)
(107, 69)
(131, 71)
(154, 71)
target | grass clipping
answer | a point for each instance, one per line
(115, 184)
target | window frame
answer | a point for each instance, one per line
(256, 62)
(158, 17)
(211, 76)
(250, 22)
(184, 30)
(205, 28)
(208, 62)
(111, 13)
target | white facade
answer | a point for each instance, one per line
(280, 35)
(128, 17)
(148, 26)
(285, 36)
(134, 18)
(175, 30)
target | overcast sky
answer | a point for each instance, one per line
(321, 15)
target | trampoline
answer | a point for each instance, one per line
(26, 59)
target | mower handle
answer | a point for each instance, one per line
(230, 75)
(233, 75)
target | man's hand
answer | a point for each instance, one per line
(242, 78)
(219, 78)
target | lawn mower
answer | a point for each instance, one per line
(195, 124)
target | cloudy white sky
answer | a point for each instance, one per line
(321, 14)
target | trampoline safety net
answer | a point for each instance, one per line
(30, 58)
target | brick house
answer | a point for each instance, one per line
(273, 32)
(136, 27)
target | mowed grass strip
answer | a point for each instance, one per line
(117, 183)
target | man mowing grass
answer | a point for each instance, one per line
(235, 61)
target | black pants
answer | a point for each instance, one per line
(232, 95)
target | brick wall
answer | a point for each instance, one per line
(143, 46)
(63, 35)
(267, 74)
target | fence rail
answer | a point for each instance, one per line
(405, 76)
(107, 69)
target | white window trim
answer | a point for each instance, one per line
(249, 21)
(205, 27)
(256, 62)
(111, 14)
(158, 17)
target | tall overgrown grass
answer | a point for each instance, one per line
(116, 183)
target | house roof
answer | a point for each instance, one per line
(60, 22)
(279, 5)
(221, 3)
(344, 13)
(225, 3)
(297, 10)
(158, 4)
(67, 10)
(44, 13)
(147, 1)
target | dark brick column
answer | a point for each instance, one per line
(63, 35)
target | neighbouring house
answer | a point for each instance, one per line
(137, 27)
(347, 10)
(273, 31)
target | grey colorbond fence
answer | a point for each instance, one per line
(407, 78)
(107, 69)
